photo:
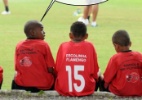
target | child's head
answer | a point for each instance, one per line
(78, 31)
(34, 30)
(121, 40)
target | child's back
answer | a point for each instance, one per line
(32, 58)
(123, 75)
(76, 67)
(127, 68)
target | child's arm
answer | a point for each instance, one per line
(103, 86)
(110, 72)
(49, 60)
(51, 70)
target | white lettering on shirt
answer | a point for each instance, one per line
(76, 57)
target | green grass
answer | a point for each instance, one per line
(113, 15)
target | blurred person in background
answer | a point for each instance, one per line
(6, 11)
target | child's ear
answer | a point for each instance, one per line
(117, 47)
(70, 35)
(86, 35)
(32, 32)
(130, 44)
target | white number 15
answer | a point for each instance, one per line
(76, 76)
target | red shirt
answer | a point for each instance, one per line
(32, 59)
(124, 74)
(76, 68)
(1, 74)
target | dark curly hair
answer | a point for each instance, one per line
(78, 29)
(121, 37)
(31, 25)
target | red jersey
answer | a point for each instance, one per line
(1, 74)
(32, 59)
(124, 74)
(76, 68)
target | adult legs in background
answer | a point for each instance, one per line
(6, 11)
(95, 9)
(88, 10)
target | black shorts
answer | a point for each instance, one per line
(101, 83)
(31, 89)
(1, 84)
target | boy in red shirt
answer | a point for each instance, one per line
(76, 64)
(123, 75)
(33, 60)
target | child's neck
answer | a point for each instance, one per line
(77, 40)
(124, 49)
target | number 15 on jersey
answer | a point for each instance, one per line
(75, 76)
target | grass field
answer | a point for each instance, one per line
(113, 15)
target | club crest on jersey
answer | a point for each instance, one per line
(133, 77)
(26, 62)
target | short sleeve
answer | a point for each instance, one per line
(110, 71)
(48, 57)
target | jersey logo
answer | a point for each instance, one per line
(26, 62)
(133, 77)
